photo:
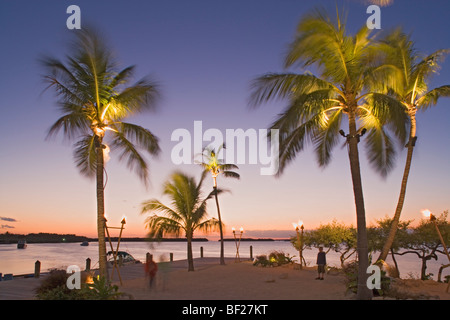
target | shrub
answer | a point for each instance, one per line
(351, 275)
(261, 260)
(54, 287)
(279, 257)
(275, 258)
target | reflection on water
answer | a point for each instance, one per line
(61, 255)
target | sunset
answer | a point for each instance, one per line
(227, 121)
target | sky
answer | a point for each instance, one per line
(204, 55)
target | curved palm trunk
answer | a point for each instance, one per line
(190, 256)
(222, 258)
(363, 293)
(101, 210)
(401, 200)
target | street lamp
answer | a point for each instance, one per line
(427, 213)
(298, 227)
(237, 243)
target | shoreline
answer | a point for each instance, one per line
(72, 238)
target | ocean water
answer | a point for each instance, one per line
(62, 255)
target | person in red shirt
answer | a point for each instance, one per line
(150, 269)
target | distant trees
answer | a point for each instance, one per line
(421, 240)
(333, 236)
(424, 242)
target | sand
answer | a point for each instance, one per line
(234, 281)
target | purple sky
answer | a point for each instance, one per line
(204, 54)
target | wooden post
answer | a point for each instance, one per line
(201, 252)
(251, 252)
(88, 264)
(171, 257)
(37, 269)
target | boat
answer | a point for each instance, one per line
(123, 258)
(84, 244)
(21, 244)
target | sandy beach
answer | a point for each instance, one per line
(233, 281)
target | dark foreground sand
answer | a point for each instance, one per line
(233, 281)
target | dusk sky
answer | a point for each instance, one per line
(204, 55)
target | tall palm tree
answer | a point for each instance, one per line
(215, 166)
(187, 212)
(317, 106)
(411, 74)
(94, 99)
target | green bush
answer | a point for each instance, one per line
(275, 258)
(351, 275)
(54, 287)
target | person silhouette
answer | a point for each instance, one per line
(321, 262)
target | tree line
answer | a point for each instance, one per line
(420, 241)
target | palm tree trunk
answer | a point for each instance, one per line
(190, 257)
(222, 258)
(363, 292)
(101, 210)
(401, 199)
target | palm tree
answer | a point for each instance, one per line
(213, 164)
(187, 213)
(411, 74)
(94, 99)
(317, 106)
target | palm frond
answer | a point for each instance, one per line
(158, 226)
(295, 140)
(73, 125)
(129, 153)
(380, 151)
(283, 86)
(134, 99)
(86, 156)
(431, 98)
(156, 206)
(139, 136)
(327, 136)
(385, 110)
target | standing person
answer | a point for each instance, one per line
(150, 269)
(321, 262)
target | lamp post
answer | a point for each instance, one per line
(237, 243)
(299, 227)
(428, 214)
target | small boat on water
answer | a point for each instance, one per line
(84, 244)
(123, 258)
(21, 244)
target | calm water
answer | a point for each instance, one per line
(61, 255)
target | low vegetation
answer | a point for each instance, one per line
(54, 287)
(274, 259)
